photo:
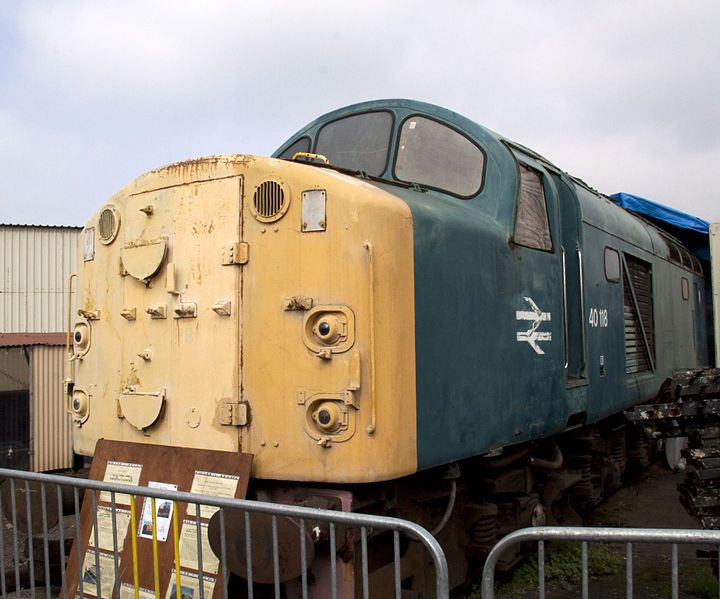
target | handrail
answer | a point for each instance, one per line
(69, 365)
(581, 275)
(373, 400)
(310, 156)
(565, 308)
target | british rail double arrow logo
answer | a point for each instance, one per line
(536, 317)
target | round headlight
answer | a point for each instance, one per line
(81, 338)
(328, 416)
(80, 406)
(328, 329)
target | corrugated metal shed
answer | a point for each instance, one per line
(50, 433)
(35, 263)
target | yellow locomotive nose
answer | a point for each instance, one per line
(249, 304)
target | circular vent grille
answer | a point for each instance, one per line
(108, 224)
(270, 201)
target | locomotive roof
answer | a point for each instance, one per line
(451, 117)
(499, 169)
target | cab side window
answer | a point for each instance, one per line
(301, 145)
(531, 221)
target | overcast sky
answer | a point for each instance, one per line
(625, 95)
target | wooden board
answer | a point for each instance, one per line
(117, 461)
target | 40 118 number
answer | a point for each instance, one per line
(598, 318)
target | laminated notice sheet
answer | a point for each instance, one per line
(189, 552)
(104, 520)
(215, 484)
(121, 473)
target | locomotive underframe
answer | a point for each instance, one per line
(470, 505)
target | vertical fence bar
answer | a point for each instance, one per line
(674, 571)
(303, 559)
(156, 563)
(46, 548)
(333, 562)
(133, 530)
(276, 557)
(396, 561)
(248, 556)
(585, 569)
(116, 565)
(629, 571)
(61, 525)
(201, 573)
(13, 508)
(98, 571)
(81, 584)
(31, 553)
(223, 553)
(176, 550)
(718, 571)
(365, 574)
(541, 569)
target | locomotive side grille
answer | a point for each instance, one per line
(270, 201)
(638, 279)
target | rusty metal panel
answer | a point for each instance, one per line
(35, 263)
(50, 428)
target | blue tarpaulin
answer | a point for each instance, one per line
(691, 230)
(659, 212)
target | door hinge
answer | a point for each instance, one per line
(233, 413)
(237, 253)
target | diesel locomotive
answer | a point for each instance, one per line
(400, 309)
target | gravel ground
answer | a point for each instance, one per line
(652, 502)
(13, 570)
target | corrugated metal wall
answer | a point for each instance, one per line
(35, 263)
(51, 440)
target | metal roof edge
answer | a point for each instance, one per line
(29, 226)
(20, 339)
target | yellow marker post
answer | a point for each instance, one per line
(156, 568)
(136, 576)
(176, 539)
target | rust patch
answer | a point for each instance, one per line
(200, 228)
(186, 167)
(133, 378)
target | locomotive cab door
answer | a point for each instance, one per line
(539, 304)
(180, 377)
(572, 257)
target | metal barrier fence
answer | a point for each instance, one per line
(628, 536)
(85, 577)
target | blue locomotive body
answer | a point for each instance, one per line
(540, 305)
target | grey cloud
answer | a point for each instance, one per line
(621, 94)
